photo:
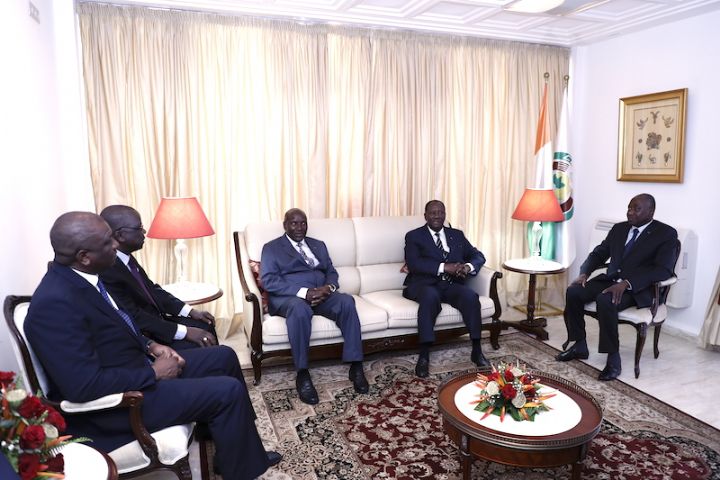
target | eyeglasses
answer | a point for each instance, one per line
(136, 229)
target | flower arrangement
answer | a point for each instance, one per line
(30, 432)
(507, 389)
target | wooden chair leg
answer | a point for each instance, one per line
(639, 345)
(495, 328)
(256, 360)
(656, 350)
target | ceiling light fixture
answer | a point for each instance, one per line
(533, 6)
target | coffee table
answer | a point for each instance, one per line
(476, 440)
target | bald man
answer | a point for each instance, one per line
(89, 348)
(160, 315)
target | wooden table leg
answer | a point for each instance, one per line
(465, 458)
(530, 324)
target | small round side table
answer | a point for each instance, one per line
(194, 293)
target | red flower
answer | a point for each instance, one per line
(509, 377)
(530, 393)
(526, 379)
(56, 464)
(32, 407)
(32, 437)
(28, 466)
(6, 378)
(508, 391)
(493, 376)
(56, 420)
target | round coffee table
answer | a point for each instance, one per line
(475, 440)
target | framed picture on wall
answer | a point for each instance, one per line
(652, 137)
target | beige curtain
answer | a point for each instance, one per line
(255, 117)
(710, 334)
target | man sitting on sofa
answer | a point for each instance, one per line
(438, 260)
(301, 281)
(641, 252)
(158, 313)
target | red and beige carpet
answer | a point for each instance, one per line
(395, 432)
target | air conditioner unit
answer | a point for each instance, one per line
(681, 294)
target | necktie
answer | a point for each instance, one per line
(122, 314)
(135, 271)
(307, 259)
(629, 245)
(439, 245)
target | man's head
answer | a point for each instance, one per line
(84, 241)
(295, 224)
(435, 215)
(641, 209)
(126, 226)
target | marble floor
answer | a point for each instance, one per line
(681, 376)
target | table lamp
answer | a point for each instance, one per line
(179, 218)
(538, 205)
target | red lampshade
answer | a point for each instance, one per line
(180, 217)
(538, 206)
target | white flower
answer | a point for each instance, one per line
(16, 397)
(519, 400)
(51, 433)
(516, 371)
(492, 388)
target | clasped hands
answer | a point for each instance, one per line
(616, 289)
(168, 363)
(459, 270)
(317, 295)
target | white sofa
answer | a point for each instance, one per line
(368, 253)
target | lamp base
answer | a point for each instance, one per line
(180, 257)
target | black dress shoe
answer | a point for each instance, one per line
(479, 359)
(306, 389)
(610, 372)
(422, 369)
(357, 376)
(572, 353)
(273, 458)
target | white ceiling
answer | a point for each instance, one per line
(575, 22)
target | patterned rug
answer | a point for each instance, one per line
(395, 432)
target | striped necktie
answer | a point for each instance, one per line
(439, 245)
(307, 259)
(123, 315)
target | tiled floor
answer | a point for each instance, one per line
(682, 376)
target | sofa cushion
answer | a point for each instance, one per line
(384, 276)
(372, 319)
(382, 239)
(402, 313)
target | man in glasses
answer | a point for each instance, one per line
(159, 314)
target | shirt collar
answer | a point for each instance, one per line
(124, 257)
(641, 228)
(92, 279)
(294, 243)
(433, 232)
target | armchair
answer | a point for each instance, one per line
(166, 449)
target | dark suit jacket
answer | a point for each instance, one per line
(157, 322)
(423, 258)
(651, 259)
(283, 271)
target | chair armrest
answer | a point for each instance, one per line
(485, 285)
(102, 403)
(252, 298)
(668, 282)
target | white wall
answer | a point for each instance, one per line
(42, 146)
(683, 54)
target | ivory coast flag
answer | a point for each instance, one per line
(544, 176)
(564, 235)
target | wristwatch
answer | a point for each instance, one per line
(332, 287)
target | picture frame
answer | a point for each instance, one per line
(651, 137)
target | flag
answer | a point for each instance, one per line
(544, 176)
(562, 163)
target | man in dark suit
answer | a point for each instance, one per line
(160, 315)
(641, 252)
(439, 260)
(301, 281)
(89, 348)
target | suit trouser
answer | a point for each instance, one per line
(338, 307)
(430, 297)
(209, 390)
(577, 296)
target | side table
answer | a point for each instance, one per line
(194, 293)
(533, 267)
(84, 462)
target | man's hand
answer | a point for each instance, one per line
(459, 270)
(617, 291)
(315, 296)
(167, 364)
(201, 337)
(202, 316)
(580, 280)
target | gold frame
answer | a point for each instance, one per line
(651, 137)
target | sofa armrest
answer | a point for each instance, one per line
(485, 284)
(252, 298)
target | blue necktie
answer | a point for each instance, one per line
(438, 244)
(629, 245)
(307, 259)
(122, 314)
